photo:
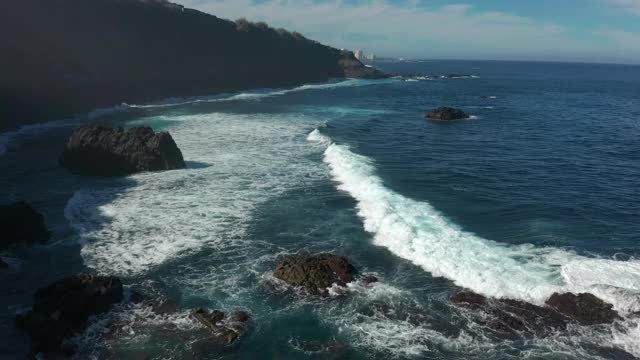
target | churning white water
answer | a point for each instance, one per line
(416, 231)
(235, 162)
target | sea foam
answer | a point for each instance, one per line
(416, 231)
(234, 164)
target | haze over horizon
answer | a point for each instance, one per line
(573, 30)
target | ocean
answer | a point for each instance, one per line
(536, 193)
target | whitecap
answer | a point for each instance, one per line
(416, 231)
(164, 216)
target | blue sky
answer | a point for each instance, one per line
(553, 30)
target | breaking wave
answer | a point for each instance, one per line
(416, 231)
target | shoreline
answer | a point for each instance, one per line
(84, 118)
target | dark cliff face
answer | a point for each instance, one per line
(61, 57)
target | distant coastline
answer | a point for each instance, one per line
(135, 51)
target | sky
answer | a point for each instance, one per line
(540, 30)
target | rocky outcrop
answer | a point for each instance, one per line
(507, 316)
(224, 331)
(20, 223)
(102, 151)
(446, 114)
(49, 69)
(583, 307)
(353, 68)
(63, 308)
(315, 273)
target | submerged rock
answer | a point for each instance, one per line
(315, 273)
(63, 308)
(468, 298)
(583, 307)
(325, 349)
(447, 113)
(507, 316)
(102, 151)
(368, 279)
(20, 223)
(162, 306)
(224, 331)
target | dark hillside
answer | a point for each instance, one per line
(61, 57)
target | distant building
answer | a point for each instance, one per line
(371, 57)
(359, 54)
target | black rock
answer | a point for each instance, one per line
(369, 279)
(457, 76)
(315, 273)
(223, 331)
(161, 306)
(63, 308)
(508, 317)
(97, 150)
(583, 307)
(447, 113)
(20, 223)
(240, 317)
(468, 298)
(3, 265)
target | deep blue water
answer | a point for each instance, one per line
(536, 193)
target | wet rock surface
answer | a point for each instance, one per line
(583, 307)
(315, 273)
(508, 317)
(224, 330)
(63, 308)
(446, 114)
(102, 151)
(161, 306)
(20, 223)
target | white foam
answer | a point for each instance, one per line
(260, 94)
(106, 111)
(416, 231)
(240, 161)
(317, 136)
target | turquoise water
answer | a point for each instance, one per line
(535, 193)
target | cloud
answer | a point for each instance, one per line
(412, 28)
(626, 39)
(627, 6)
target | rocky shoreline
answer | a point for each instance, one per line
(56, 71)
(63, 309)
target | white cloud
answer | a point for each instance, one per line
(411, 29)
(627, 6)
(626, 39)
